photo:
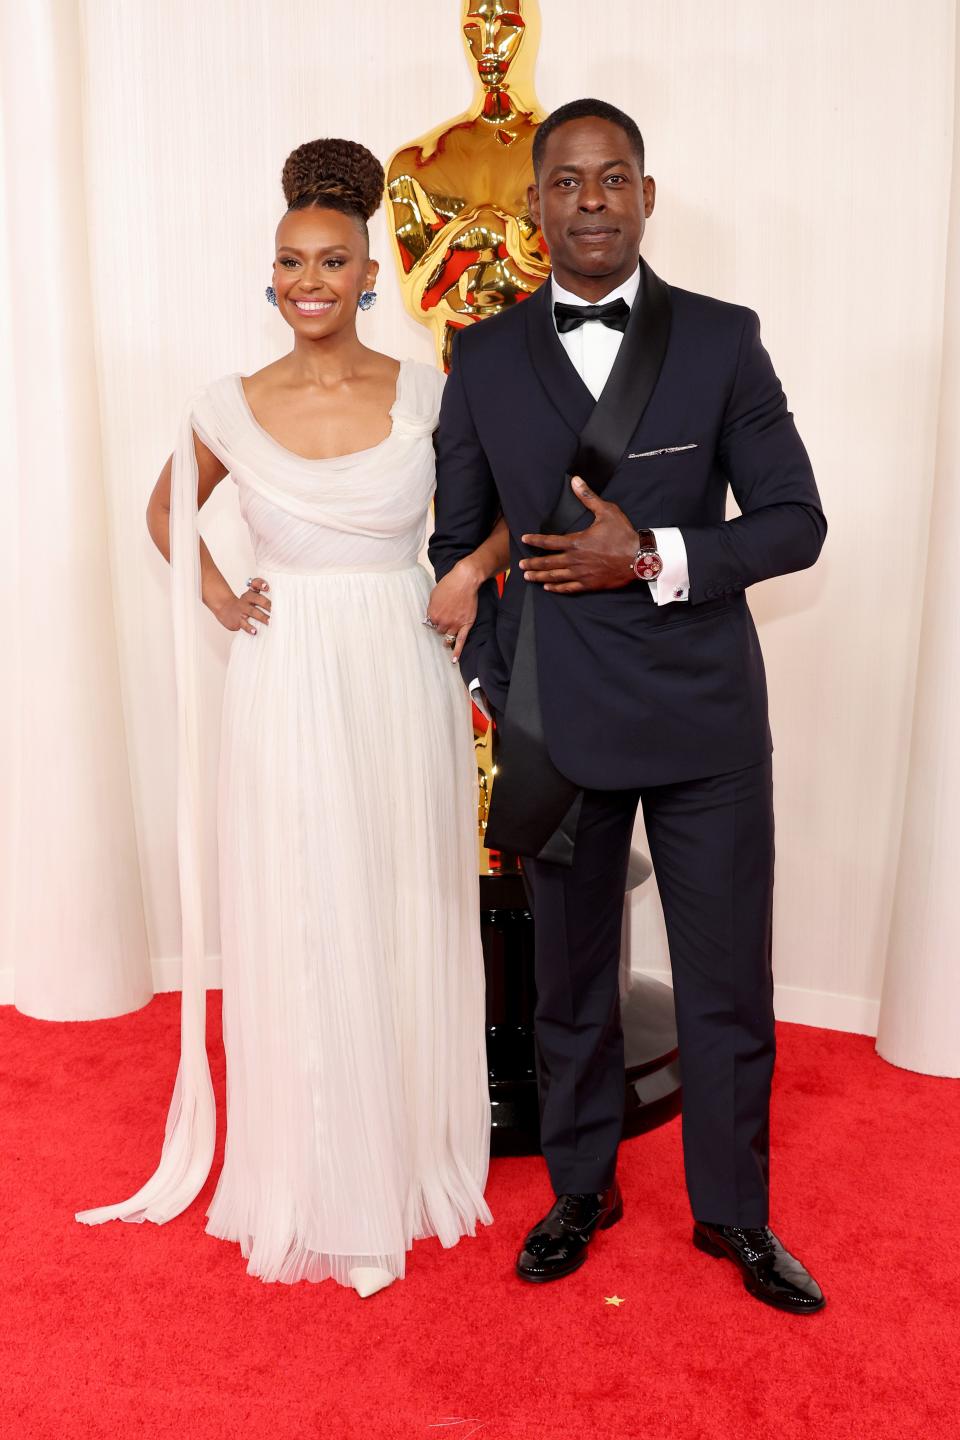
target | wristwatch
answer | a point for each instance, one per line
(647, 563)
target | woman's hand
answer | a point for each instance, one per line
(246, 611)
(453, 605)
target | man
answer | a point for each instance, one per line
(623, 667)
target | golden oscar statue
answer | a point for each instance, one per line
(466, 245)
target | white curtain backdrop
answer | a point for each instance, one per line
(74, 932)
(803, 155)
(920, 1015)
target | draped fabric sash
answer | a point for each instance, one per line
(191, 1121)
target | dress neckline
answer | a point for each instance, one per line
(322, 459)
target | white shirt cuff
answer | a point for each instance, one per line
(673, 582)
(479, 699)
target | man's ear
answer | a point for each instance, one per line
(533, 203)
(649, 195)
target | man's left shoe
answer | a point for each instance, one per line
(770, 1272)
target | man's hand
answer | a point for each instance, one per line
(598, 558)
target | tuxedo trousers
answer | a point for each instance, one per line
(712, 847)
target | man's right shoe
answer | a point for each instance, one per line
(559, 1244)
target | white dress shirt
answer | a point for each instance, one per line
(592, 349)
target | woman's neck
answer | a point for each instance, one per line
(326, 361)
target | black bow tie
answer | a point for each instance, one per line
(570, 317)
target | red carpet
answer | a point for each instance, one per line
(158, 1332)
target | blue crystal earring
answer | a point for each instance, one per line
(368, 299)
(271, 295)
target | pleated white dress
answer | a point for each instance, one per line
(357, 1109)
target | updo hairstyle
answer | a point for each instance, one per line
(335, 175)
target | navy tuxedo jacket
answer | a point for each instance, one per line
(632, 693)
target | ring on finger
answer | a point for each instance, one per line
(450, 640)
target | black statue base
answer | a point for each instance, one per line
(652, 1076)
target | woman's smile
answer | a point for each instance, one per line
(314, 307)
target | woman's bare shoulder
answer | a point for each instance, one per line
(380, 369)
(261, 382)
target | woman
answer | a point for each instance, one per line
(357, 1110)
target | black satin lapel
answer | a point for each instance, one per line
(632, 382)
(534, 809)
(553, 367)
(626, 395)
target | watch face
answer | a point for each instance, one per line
(647, 565)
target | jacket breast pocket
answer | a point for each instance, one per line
(667, 485)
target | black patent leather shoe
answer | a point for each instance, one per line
(770, 1272)
(559, 1244)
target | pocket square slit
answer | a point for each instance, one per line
(664, 450)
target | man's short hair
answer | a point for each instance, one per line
(583, 110)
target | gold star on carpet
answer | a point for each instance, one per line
(613, 1300)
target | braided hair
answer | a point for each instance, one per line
(334, 175)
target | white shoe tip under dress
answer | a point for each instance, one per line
(358, 1118)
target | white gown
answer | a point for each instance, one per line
(357, 1110)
